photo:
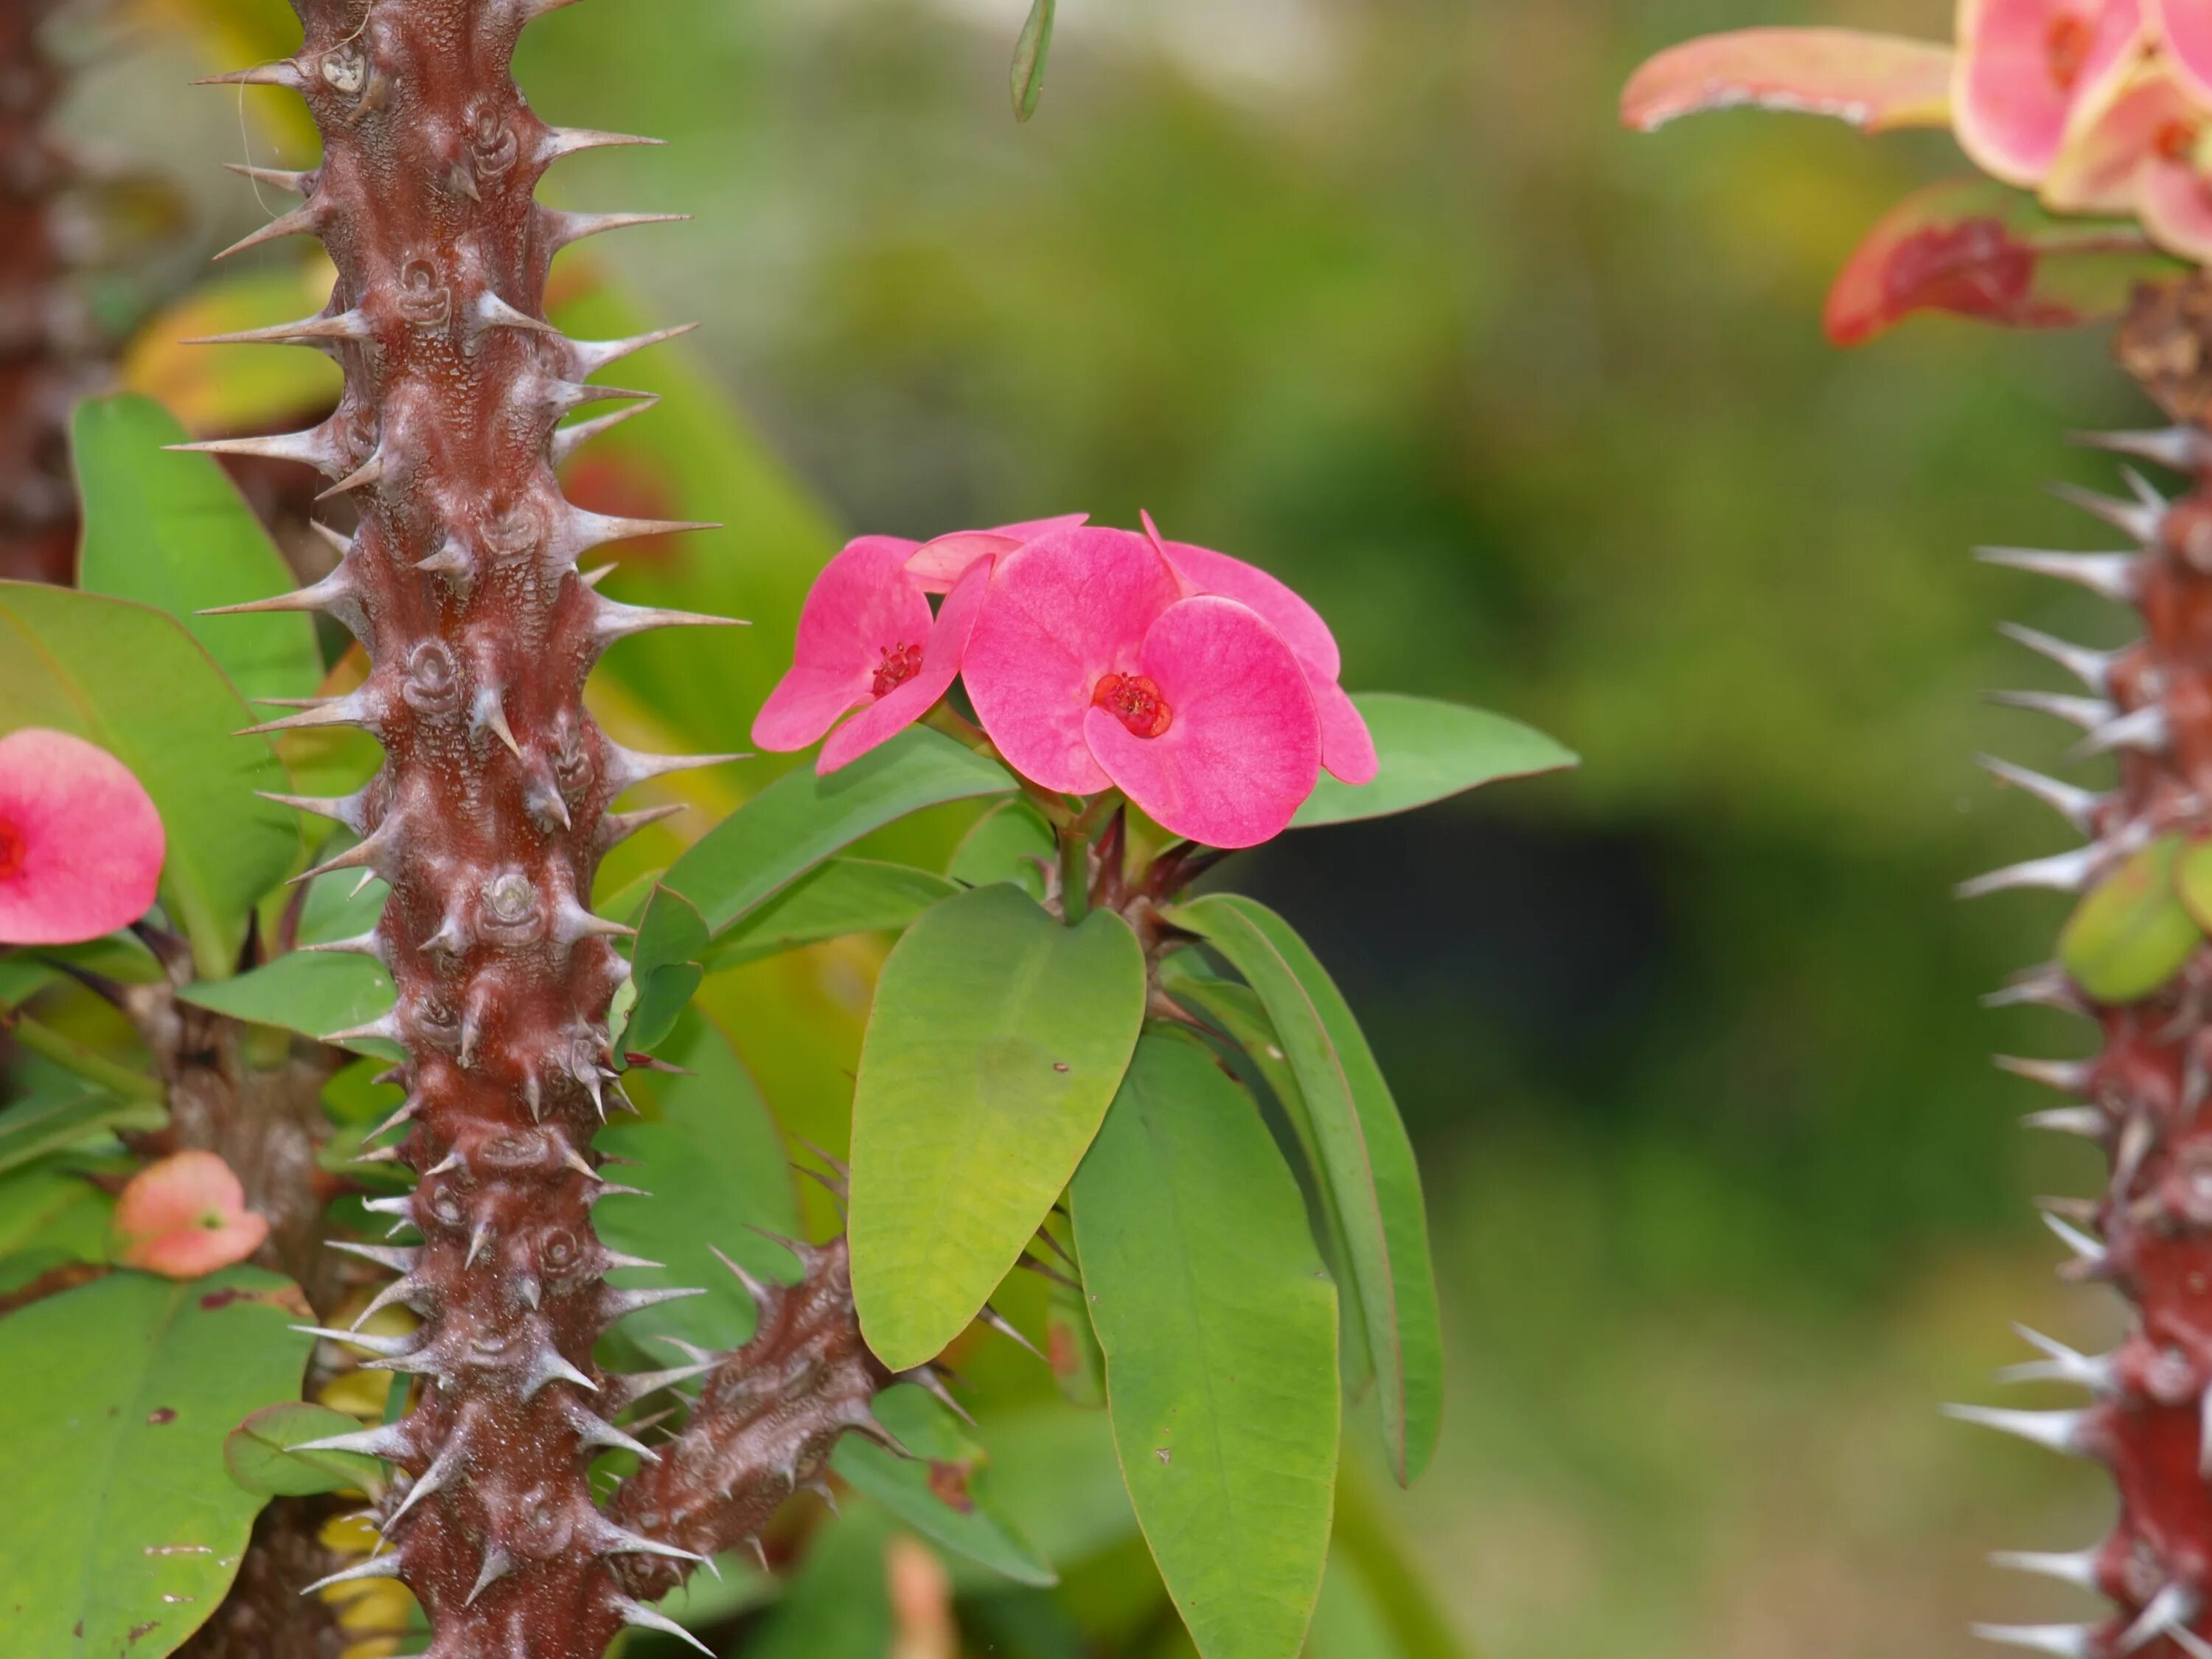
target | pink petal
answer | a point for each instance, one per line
(938, 564)
(862, 605)
(2098, 170)
(2025, 67)
(903, 705)
(80, 843)
(2185, 26)
(1062, 613)
(1873, 81)
(2175, 200)
(1348, 748)
(1242, 748)
(185, 1217)
(1205, 571)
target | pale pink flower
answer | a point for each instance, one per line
(2143, 153)
(2027, 70)
(81, 844)
(1088, 667)
(185, 1217)
(1346, 749)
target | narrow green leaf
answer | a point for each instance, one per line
(1030, 50)
(31, 1128)
(801, 819)
(1220, 1327)
(665, 968)
(311, 992)
(710, 1155)
(1365, 1161)
(844, 896)
(1011, 842)
(1430, 750)
(997, 1039)
(262, 1456)
(122, 1533)
(942, 1492)
(47, 1205)
(1238, 1013)
(171, 531)
(131, 680)
(2135, 929)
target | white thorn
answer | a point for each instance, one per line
(2138, 518)
(434, 1481)
(2071, 1077)
(2086, 713)
(2079, 1567)
(2111, 575)
(570, 439)
(2144, 729)
(2077, 807)
(2085, 1248)
(753, 1287)
(2063, 1641)
(561, 229)
(492, 311)
(399, 1258)
(636, 1612)
(388, 1440)
(588, 357)
(497, 1564)
(386, 1347)
(2045, 986)
(2058, 1431)
(2179, 447)
(2064, 872)
(2064, 1365)
(2174, 1605)
(377, 1566)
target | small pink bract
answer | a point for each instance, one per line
(2138, 155)
(2027, 70)
(862, 634)
(185, 1217)
(80, 843)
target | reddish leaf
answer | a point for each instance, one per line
(1978, 248)
(1876, 82)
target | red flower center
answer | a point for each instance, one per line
(2066, 44)
(1135, 702)
(2176, 141)
(901, 663)
(13, 851)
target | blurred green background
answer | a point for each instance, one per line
(1376, 294)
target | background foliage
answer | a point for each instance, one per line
(1538, 414)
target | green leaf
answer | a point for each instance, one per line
(1366, 1161)
(131, 680)
(712, 1158)
(1006, 844)
(664, 968)
(1055, 1473)
(838, 1605)
(1071, 1347)
(1220, 1327)
(122, 1533)
(997, 1040)
(48, 1205)
(261, 1456)
(2135, 929)
(170, 531)
(31, 1128)
(801, 819)
(1430, 750)
(943, 1491)
(1237, 1010)
(1031, 49)
(844, 896)
(310, 992)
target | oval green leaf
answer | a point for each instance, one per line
(262, 1456)
(844, 896)
(801, 819)
(2135, 929)
(1011, 842)
(997, 1040)
(131, 680)
(1365, 1161)
(944, 1491)
(665, 968)
(172, 531)
(1430, 750)
(710, 1155)
(1219, 1327)
(122, 1533)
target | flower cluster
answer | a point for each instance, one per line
(2099, 107)
(81, 844)
(1198, 685)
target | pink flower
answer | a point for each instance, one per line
(2185, 28)
(2143, 153)
(81, 845)
(867, 641)
(2027, 72)
(1088, 666)
(1346, 749)
(185, 1217)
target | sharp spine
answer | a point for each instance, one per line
(377, 1566)
(2064, 872)
(637, 1613)
(564, 229)
(2058, 1431)
(2062, 1641)
(2093, 668)
(2086, 713)
(588, 357)
(2144, 728)
(2078, 1567)
(302, 220)
(567, 440)
(283, 179)
(2138, 518)
(2071, 1077)
(497, 1564)
(2173, 1606)
(2077, 807)
(2116, 576)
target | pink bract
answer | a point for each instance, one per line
(1346, 749)
(2139, 154)
(1088, 666)
(2184, 28)
(80, 843)
(905, 704)
(1876, 82)
(185, 1217)
(2027, 69)
(939, 564)
(862, 633)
